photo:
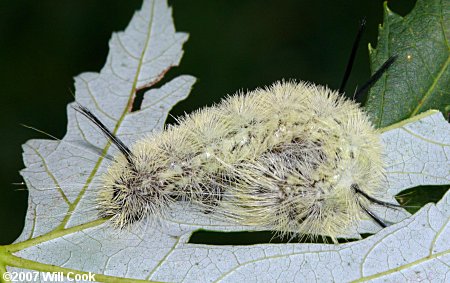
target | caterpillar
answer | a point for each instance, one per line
(293, 157)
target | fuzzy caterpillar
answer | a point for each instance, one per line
(294, 157)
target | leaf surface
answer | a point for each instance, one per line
(415, 248)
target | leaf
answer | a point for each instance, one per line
(138, 58)
(420, 78)
(62, 232)
(162, 252)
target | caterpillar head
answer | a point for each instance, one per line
(129, 193)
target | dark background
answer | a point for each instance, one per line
(234, 44)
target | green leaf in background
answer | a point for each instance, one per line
(420, 78)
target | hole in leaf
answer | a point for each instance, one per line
(415, 198)
(166, 77)
(138, 98)
(245, 238)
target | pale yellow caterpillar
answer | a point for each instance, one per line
(293, 157)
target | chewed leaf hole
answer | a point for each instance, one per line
(165, 78)
(246, 238)
(414, 198)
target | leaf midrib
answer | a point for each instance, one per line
(119, 122)
(431, 88)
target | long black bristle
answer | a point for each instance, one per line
(113, 138)
(351, 59)
(374, 217)
(375, 77)
(372, 199)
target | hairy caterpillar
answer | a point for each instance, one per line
(293, 157)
